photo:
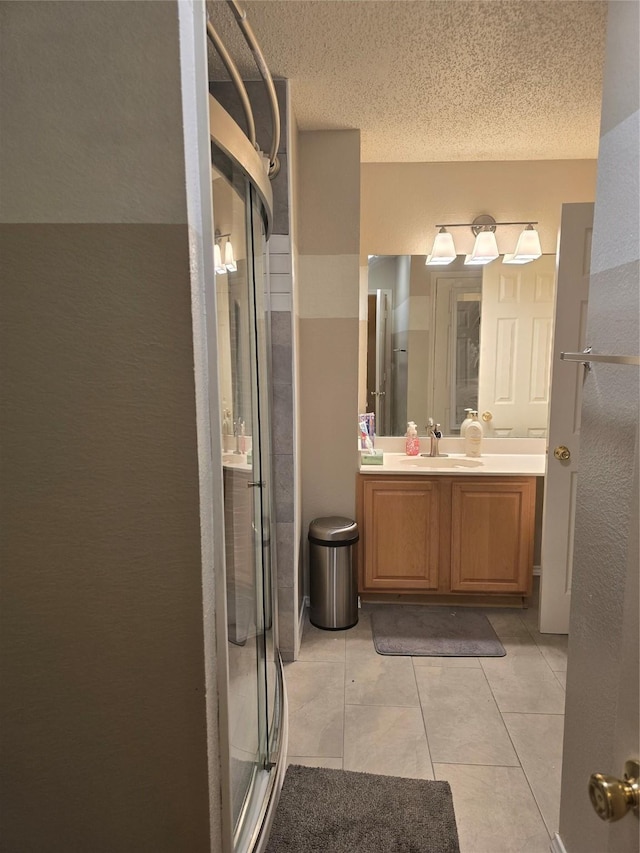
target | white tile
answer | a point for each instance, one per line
(528, 694)
(495, 809)
(280, 283)
(280, 302)
(280, 264)
(463, 723)
(381, 680)
(279, 244)
(538, 742)
(315, 761)
(321, 645)
(315, 693)
(561, 675)
(456, 663)
(390, 741)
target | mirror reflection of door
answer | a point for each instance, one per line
(456, 349)
(380, 378)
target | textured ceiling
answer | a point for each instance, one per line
(435, 80)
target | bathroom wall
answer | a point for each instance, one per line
(402, 202)
(328, 214)
(103, 673)
(601, 723)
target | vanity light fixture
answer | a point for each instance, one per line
(444, 250)
(229, 264)
(485, 248)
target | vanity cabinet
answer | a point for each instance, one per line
(401, 525)
(446, 534)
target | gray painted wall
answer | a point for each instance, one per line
(103, 675)
(600, 733)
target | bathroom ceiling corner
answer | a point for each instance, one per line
(435, 80)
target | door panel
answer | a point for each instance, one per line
(492, 536)
(515, 338)
(560, 487)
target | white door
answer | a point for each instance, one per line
(446, 287)
(383, 392)
(515, 346)
(574, 261)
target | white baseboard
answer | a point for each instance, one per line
(556, 845)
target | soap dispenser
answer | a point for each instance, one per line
(412, 443)
(465, 423)
(473, 436)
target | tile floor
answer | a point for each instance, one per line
(492, 727)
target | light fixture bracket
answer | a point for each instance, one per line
(484, 222)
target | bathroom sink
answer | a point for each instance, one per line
(440, 462)
(234, 459)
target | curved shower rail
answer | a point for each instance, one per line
(249, 36)
(247, 31)
(232, 69)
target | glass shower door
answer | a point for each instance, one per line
(244, 406)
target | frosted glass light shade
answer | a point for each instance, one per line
(485, 249)
(528, 247)
(513, 259)
(229, 260)
(217, 260)
(444, 250)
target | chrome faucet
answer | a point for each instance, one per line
(434, 433)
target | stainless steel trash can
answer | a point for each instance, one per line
(333, 586)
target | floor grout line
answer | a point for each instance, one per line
(521, 766)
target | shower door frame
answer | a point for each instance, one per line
(231, 140)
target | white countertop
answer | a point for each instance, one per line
(523, 464)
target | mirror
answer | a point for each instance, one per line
(445, 338)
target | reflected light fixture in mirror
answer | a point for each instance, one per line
(229, 264)
(217, 260)
(229, 260)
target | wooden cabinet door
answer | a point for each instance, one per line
(401, 534)
(492, 525)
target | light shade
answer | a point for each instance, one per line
(485, 249)
(217, 260)
(528, 247)
(444, 250)
(229, 260)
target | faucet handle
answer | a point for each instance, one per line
(430, 424)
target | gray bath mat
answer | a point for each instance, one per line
(338, 811)
(420, 631)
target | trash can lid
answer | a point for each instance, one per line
(335, 528)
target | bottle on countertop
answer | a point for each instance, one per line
(465, 423)
(412, 442)
(473, 436)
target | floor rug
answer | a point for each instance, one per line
(422, 631)
(338, 811)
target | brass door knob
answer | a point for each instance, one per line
(612, 798)
(561, 452)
